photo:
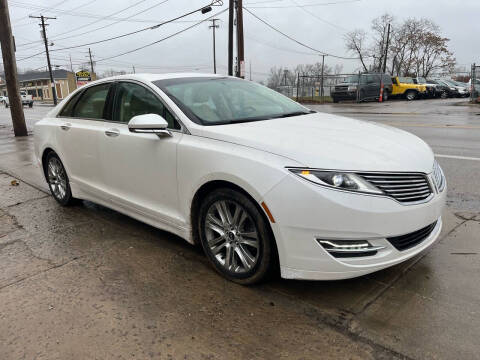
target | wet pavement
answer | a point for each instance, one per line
(86, 282)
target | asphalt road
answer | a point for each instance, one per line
(86, 282)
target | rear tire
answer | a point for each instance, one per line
(57, 180)
(235, 237)
(335, 100)
(30, 105)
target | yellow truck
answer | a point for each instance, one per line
(405, 87)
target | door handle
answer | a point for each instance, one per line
(66, 126)
(112, 132)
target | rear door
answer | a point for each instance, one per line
(81, 122)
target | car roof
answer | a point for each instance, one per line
(148, 77)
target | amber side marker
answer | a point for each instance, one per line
(267, 210)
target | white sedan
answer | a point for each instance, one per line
(261, 182)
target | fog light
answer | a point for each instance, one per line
(349, 248)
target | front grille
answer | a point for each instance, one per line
(404, 188)
(407, 241)
(341, 88)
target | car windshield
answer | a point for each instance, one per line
(405, 80)
(351, 79)
(217, 101)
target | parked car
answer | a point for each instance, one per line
(405, 87)
(442, 90)
(25, 98)
(460, 91)
(256, 179)
(452, 90)
(431, 87)
(2, 99)
(367, 86)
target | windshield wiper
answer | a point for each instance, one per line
(295, 113)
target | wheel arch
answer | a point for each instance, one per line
(210, 186)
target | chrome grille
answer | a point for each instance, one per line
(438, 177)
(341, 88)
(405, 188)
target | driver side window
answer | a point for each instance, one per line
(132, 99)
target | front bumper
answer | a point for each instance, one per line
(305, 212)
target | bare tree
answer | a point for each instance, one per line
(416, 47)
(355, 41)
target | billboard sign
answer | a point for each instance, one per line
(83, 77)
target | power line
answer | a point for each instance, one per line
(165, 38)
(317, 17)
(114, 23)
(144, 29)
(300, 6)
(295, 40)
(104, 17)
(42, 9)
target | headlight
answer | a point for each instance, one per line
(438, 177)
(337, 180)
(352, 88)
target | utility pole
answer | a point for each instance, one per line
(213, 27)
(133, 67)
(71, 65)
(10, 68)
(44, 34)
(240, 43)
(230, 37)
(91, 62)
(386, 50)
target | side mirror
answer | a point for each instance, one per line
(149, 124)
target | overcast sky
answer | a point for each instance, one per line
(321, 26)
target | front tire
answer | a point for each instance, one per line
(410, 95)
(235, 236)
(57, 180)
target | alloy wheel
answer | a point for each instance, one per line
(232, 236)
(57, 178)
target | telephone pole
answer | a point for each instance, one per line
(240, 43)
(323, 72)
(213, 27)
(133, 67)
(386, 50)
(91, 62)
(44, 34)
(10, 68)
(231, 8)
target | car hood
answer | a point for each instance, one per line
(321, 140)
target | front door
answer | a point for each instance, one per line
(140, 170)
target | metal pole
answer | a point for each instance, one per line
(44, 33)
(240, 42)
(10, 68)
(213, 27)
(386, 50)
(230, 37)
(298, 84)
(133, 68)
(323, 65)
(91, 62)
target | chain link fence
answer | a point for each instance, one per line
(309, 88)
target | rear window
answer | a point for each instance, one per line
(68, 108)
